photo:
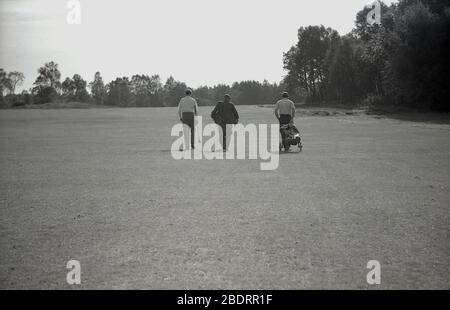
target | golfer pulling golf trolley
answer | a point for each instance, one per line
(285, 113)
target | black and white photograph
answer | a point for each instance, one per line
(224, 145)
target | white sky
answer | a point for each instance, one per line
(200, 42)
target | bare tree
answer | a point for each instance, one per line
(14, 79)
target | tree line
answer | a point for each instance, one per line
(400, 61)
(138, 91)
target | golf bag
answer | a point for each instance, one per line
(290, 136)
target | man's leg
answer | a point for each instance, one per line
(193, 135)
(188, 119)
(284, 120)
(224, 137)
(186, 132)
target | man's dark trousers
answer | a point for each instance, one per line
(224, 136)
(189, 119)
(285, 119)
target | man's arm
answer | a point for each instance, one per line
(179, 110)
(235, 112)
(293, 112)
(276, 111)
(196, 108)
(214, 112)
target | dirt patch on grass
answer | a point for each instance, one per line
(61, 105)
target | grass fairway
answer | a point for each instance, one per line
(100, 186)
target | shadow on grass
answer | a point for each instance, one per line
(292, 152)
(427, 118)
(296, 152)
(379, 111)
(407, 114)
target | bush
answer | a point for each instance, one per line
(45, 95)
(372, 101)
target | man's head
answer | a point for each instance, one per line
(227, 98)
(285, 94)
(188, 92)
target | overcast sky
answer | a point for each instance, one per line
(200, 42)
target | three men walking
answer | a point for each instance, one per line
(225, 113)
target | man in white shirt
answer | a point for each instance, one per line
(187, 111)
(285, 110)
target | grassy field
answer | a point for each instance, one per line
(100, 186)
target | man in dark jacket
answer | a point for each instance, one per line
(225, 113)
